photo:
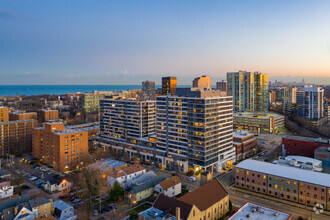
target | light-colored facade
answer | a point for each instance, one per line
(90, 101)
(249, 91)
(296, 185)
(258, 122)
(63, 211)
(64, 149)
(124, 119)
(196, 126)
(310, 103)
(124, 176)
(6, 191)
(202, 83)
(170, 187)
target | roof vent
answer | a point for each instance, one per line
(276, 214)
(248, 215)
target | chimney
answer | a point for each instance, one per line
(16, 210)
(177, 215)
(205, 177)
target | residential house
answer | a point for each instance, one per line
(57, 183)
(140, 192)
(169, 187)
(143, 178)
(125, 175)
(208, 202)
(23, 207)
(63, 211)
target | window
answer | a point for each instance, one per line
(315, 188)
(275, 186)
(315, 196)
(322, 197)
(270, 185)
(194, 213)
(295, 183)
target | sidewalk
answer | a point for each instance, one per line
(274, 199)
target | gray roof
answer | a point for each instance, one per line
(153, 182)
(5, 204)
(144, 178)
(306, 176)
(61, 205)
(39, 201)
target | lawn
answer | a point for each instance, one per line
(139, 209)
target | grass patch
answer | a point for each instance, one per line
(139, 209)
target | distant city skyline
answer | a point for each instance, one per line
(127, 42)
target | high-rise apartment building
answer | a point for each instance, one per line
(196, 125)
(249, 90)
(127, 118)
(221, 86)
(148, 87)
(202, 83)
(310, 102)
(169, 85)
(63, 148)
(16, 137)
(4, 114)
(90, 101)
(47, 115)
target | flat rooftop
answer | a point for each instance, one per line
(252, 211)
(292, 173)
(241, 134)
(305, 159)
(263, 115)
(310, 139)
(324, 149)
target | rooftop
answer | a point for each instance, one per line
(307, 176)
(263, 115)
(310, 139)
(170, 182)
(212, 190)
(252, 211)
(106, 164)
(304, 159)
(241, 134)
(61, 205)
(323, 149)
(15, 122)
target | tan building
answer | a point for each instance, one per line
(4, 114)
(22, 115)
(47, 115)
(208, 202)
(64, 149)
(202, 83)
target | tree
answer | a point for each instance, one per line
(89, 180)
(116, 193)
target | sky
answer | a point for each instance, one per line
(128, 41)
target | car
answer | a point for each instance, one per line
(96, 212)
(49, 173)
(262, 154)
(33, 178)
(108, 208)
(73, 198)
(62, 197)
(184, 187)
(192, 179)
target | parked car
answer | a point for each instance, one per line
(108, 208)
(96, 212)
(33, 178)
(73, 198)
(192, 179)
(184, 187)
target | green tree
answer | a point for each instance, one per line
(116, 193)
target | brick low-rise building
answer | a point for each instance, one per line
(296, 185)
(47, 115)
(64, 149)
(245, 144)
(22, 115)
(302, 146)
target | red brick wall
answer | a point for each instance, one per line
(301, 148)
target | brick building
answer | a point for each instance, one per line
(302, 146)
(64, 149)
(47, 115)
(245, 144)
(4, 115)
(296, 185)
(22, 115)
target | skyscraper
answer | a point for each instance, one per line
(169, 85)
(310, 102)
(148, 87)
(249, 90)
(197, 125)
(221, 86)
